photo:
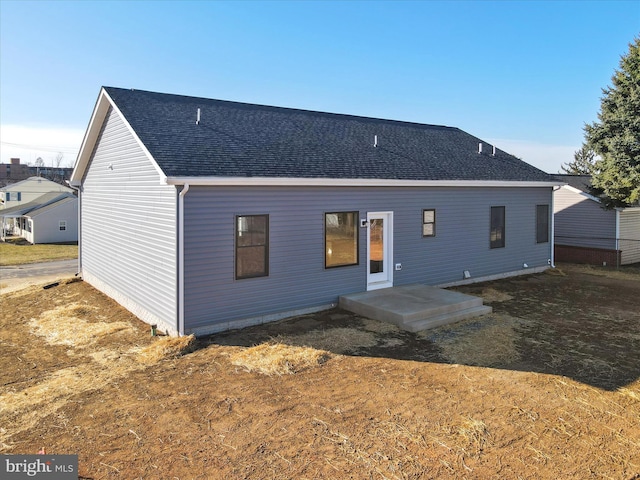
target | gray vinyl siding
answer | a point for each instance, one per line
(128, 226)
(582, 222)
(297, 277)
(630, 235)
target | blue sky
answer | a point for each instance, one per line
(525, 75)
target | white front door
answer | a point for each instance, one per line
(379, 250)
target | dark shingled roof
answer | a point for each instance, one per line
(244, 140)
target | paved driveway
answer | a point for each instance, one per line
(20, 276)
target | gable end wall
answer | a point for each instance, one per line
(582, 222)
(128, 227)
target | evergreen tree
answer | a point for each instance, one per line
(615, 138)
(583, 162)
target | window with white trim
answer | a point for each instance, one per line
(429, 222)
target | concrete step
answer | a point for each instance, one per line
(445, 319)
(414, 307)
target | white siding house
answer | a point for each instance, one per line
(28, 190)
(53, 223)
(629, 235)
(50, 218)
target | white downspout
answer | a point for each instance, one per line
(553, 226)
(618, 252)
(181, 196)
(79, 231)
(78, 189)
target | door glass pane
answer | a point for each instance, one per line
(376, 245)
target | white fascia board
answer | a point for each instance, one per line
(346, 182)
(91, 136)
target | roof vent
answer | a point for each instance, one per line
(375, 140)
(493, 154)
(480, 147)
(198, 117)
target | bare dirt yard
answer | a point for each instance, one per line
(547, 387)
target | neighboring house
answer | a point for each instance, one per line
(27, 190)
(586, 232)
(202, 215)
(50, 218)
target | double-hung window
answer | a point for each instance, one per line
(429, 222)
(252, 246)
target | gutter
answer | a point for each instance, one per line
(552, 252)
(350, 182)
(181, 195)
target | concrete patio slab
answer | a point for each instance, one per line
(414, 307)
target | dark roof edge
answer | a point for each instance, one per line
(351, 182)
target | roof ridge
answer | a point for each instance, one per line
(289, 109)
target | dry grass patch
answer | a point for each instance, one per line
(278, 359)
(167, 347)
(64, 326)
(59, 384)
(491, 295)
(622, 273)
(474, 434)
(336, 340)
(631, 393)
(487, 341)
(22, 290)
(378, 326)
(555, 272)
(23, 408)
